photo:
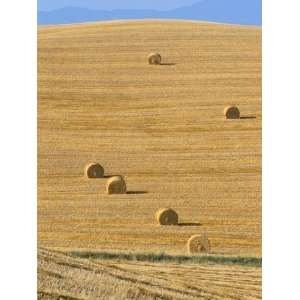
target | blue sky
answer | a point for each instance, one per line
(114, 4)
(246, 12)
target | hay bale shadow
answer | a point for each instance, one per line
(136, 192)
(189, 224)
(248, 117)
(167, 64)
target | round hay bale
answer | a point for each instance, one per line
(167, 216)
(231, 112)
(198, 244)
(94, 170)
(116, 185)
(154, 59)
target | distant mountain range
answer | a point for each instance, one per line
(245, 12)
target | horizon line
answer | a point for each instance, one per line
(150, 19)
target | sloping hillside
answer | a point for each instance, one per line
(162, 127)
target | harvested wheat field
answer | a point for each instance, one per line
(81, 279)
(161, 127)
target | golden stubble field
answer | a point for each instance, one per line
(161, 127)
(65, 277)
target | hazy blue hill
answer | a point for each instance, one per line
(246, 12)
(224, 11)
(77, 15)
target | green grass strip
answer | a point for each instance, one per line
(161, 258)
